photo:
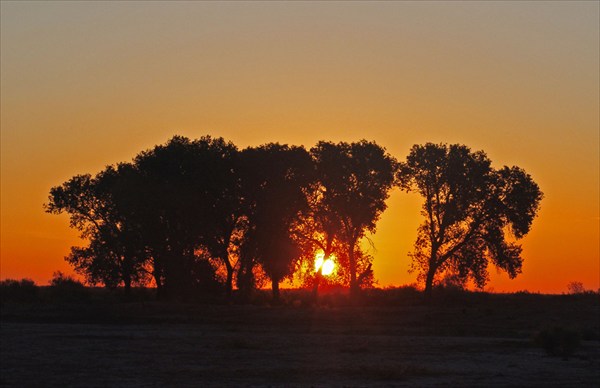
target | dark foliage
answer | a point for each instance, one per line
(354, 181)
(558, 341)
(66, 289)
(275, 179)
(19, 291)
(190, 203)
(473, 213)
(190, 217)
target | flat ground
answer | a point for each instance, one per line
(483, 342)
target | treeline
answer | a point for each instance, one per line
(181, 212)
(196, 216)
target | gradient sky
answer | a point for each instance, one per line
(86, 84)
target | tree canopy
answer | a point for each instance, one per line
(354, 181)
(473, 213)
(275, 179)
(193, 216)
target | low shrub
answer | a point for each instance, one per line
(66, 289)
(394, 296)
(20, 291)
(558, 341)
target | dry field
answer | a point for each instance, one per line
(475, 343)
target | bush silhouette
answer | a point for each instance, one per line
(576, 288)
(558, 341)
(67, 289)
(21, 291)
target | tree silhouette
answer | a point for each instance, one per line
(469, 208)
(179, 208)
(113, 254)
(190, 202)
(354, 182)
(275, 181)
(164, 215)
(168, 213)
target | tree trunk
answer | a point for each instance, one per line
(127, 285)
(156, 274)
(172, 281)
(318, 274)
(429, 282)
(126, 273)
(159, 287)
(229, 281)
(275, 288)
(354, 288)
(245, 281)
(315, 290)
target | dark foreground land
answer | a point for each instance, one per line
(472, 340)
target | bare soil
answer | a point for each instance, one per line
(460, 343)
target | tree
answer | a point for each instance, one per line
(575, 288)
(275, 181)
(190, 202)
(182, 206)
(112, 255)
(354, 182)
(472, 212)
(156, 215)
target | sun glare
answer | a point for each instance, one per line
(327, 266)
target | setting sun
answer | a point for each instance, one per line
(326, 267)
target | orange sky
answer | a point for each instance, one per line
(88, 84)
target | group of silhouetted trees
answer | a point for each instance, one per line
(194, 216)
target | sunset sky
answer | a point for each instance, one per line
(87, 84)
